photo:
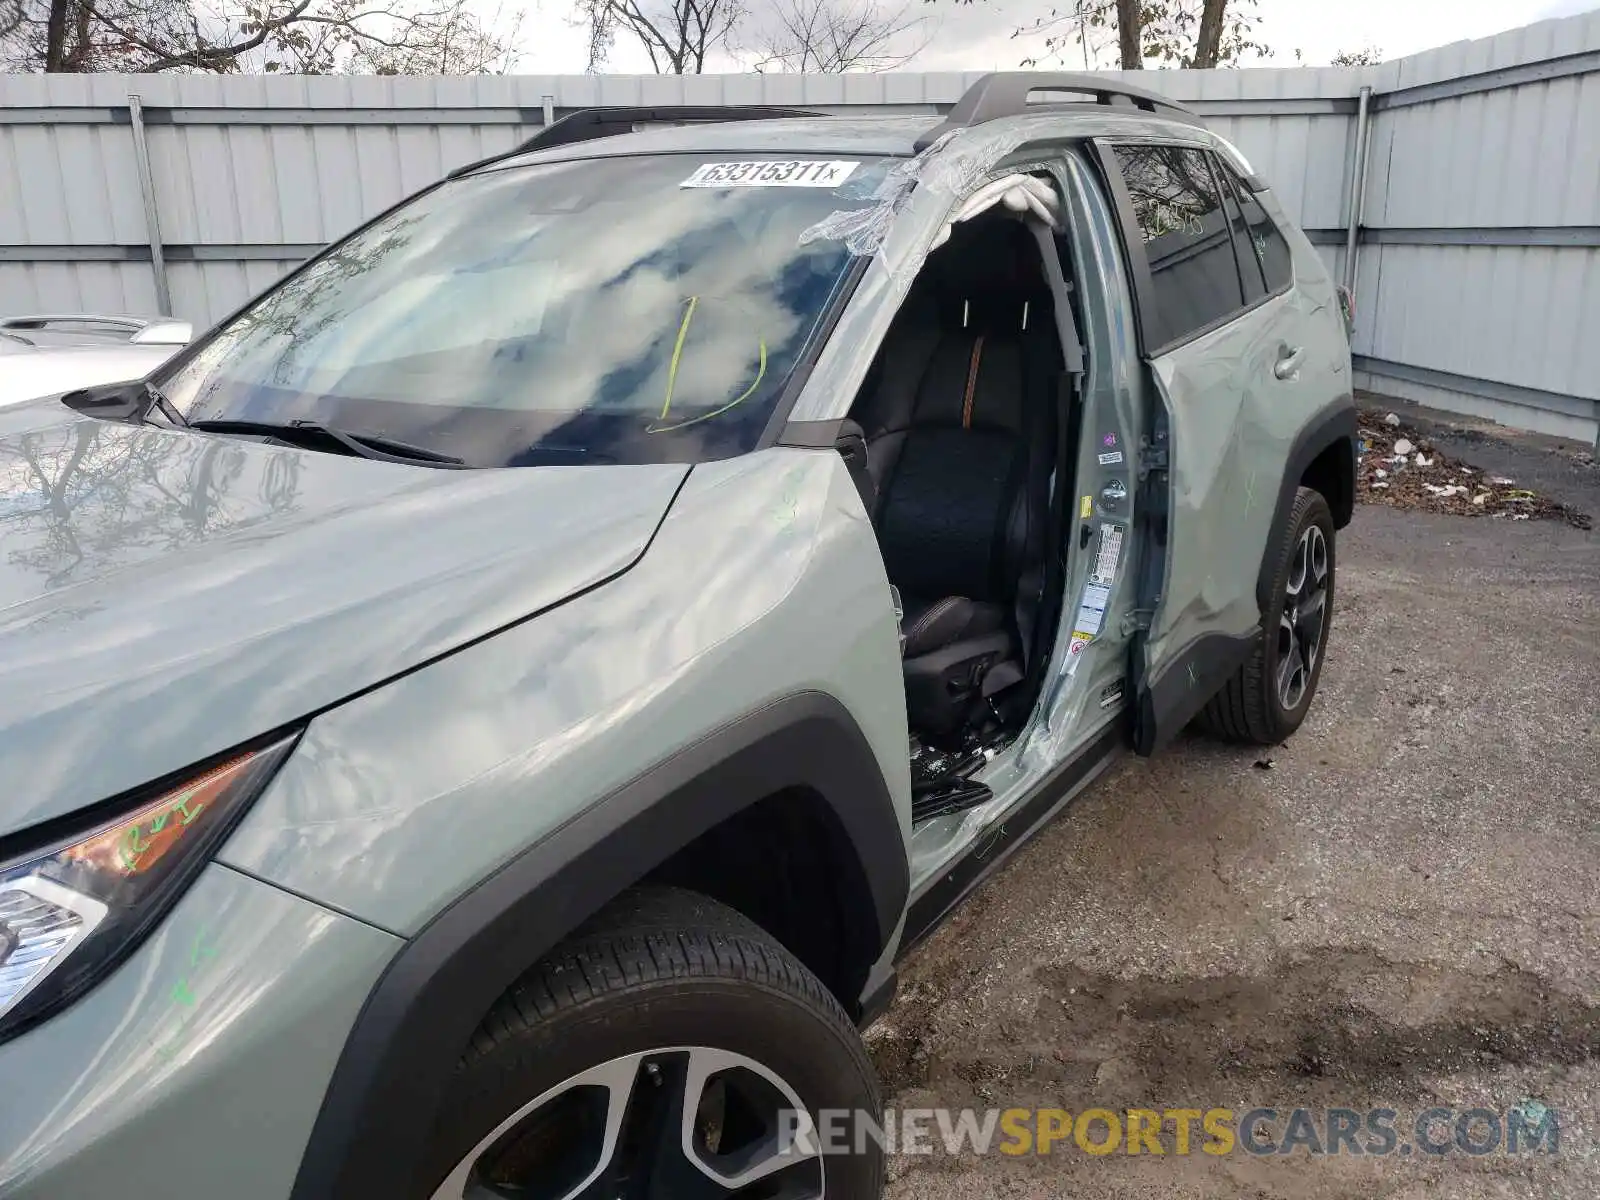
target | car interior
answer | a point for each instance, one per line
(956, 438)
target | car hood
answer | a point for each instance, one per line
(28, 372)
(165, 595)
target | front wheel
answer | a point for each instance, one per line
(671, 1049)
(1269, 697)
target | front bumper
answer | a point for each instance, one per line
(197, 1068)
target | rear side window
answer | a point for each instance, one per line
(1271, 250)
(1249, 264)
(1193, 271)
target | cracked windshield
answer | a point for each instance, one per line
(636, 309)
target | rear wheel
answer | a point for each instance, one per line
(663, 1052)
(1268, 699)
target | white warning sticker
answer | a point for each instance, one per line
(1110, 460)
(1089, 620)
(1096, 596)
(1105, 563)
(782, 172)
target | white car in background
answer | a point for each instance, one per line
(52, 354)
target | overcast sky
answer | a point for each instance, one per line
(979, 35)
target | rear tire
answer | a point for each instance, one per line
(578, 1081)
(1269, 697)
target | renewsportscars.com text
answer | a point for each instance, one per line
(1530, 1128)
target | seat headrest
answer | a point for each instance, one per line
(982, 277)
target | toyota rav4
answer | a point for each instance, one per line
(487, 718)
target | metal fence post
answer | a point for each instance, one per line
(152, 216)
(1358, 191)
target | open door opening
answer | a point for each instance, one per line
(964, 433)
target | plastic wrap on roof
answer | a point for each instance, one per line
(951, 165)
(1025, 195)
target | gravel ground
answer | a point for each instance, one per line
(1402, 910)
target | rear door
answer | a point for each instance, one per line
(1220, 332)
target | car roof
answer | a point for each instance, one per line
(888, 135)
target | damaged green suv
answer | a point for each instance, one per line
(487, 718)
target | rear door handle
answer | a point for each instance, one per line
(1288, 361)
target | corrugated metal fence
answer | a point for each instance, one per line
(1478, 267)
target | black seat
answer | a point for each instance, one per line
(959, 421)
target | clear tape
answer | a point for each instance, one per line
(951, 165)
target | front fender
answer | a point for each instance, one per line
(380, 1107)
(485, 805)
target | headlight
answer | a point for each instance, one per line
(72, 910)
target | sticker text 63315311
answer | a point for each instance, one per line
(782, 172)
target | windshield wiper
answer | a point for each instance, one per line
(157, 399)
(364, 445)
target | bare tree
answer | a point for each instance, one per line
(10, 17)
(1208, 42)
(831, 36)
(676, 34)
(1129, 21)
(1182, 33)
(301, 36)
(1369, 56)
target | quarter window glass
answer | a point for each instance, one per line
(1192, 266)
(1271, 250)
(1249, 261)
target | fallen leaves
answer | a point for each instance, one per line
(1398, 468)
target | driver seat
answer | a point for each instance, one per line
(960, 433)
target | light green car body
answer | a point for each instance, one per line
(492, 698)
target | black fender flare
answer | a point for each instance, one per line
(378, 1112)
(1337, 425)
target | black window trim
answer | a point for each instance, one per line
(1244, 257)
(1235, 182)
(1138, 261)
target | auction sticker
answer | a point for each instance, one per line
(768, 172)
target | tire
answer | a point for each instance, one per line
(1251, 707)
(659, 969)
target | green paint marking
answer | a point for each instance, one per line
(183, 807)
(160, 822)
(199, 950)
(1250, 492)
(182, 993)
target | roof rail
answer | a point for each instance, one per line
(1005, 94)
(164, 331)
(587, 124)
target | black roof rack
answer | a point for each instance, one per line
(587, 124)
(1005, 94)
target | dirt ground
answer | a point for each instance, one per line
(1398, 908)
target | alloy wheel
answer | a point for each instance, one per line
(1303, 618)
(691, 1123)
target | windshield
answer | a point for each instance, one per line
(642, 309)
